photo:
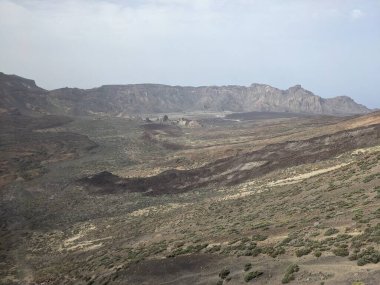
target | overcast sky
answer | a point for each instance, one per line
(329, 47)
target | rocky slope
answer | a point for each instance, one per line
(240, 168)
(124, 100)
(23, 94)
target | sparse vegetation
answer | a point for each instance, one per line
(252, 275)
(247, 266)
(231, 211)
(331, 231)
(341, 251)
(289, 274)
(274, 251)
(259, 237)
(224, 273)
(369, 255)
(303, 251)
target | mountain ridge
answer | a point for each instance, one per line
(132, 99)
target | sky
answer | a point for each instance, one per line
(330, 47)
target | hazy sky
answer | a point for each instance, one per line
(330, 47)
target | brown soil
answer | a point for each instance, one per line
(27, 145)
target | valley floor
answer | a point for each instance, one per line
(131, 202)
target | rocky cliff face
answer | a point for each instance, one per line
(124, 100)
(23, 95)
(152, 98)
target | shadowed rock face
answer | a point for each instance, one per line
(237, 169)
(22, 94)
(124, 100)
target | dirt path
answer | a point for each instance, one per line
(301, 177)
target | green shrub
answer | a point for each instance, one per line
(353, 256)
(252, 275)
(289, 274)
(369, 255)
(251, 252)
(331, 231)
(213, 249)
(224, 273)
(361, 262)
(314, 234)
(259, 237)
(285, 241)
(317, 253)
(377, 193)
(369, 178)
(341, 251)
(247, 266)
(287, 278)
(303, 251)
(292, 268)
(274, 251)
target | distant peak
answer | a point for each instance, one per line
(344, 97)
(258, 85)
(15, 80)
(296, 87)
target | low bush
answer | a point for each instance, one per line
(252, 275)
(303, 251)
(224, 273)
(259, 237)
(341, 251)
(274, 251)
(369, 255)
(331, 231)
(247, 266)
(289, 274)
(213, 249)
